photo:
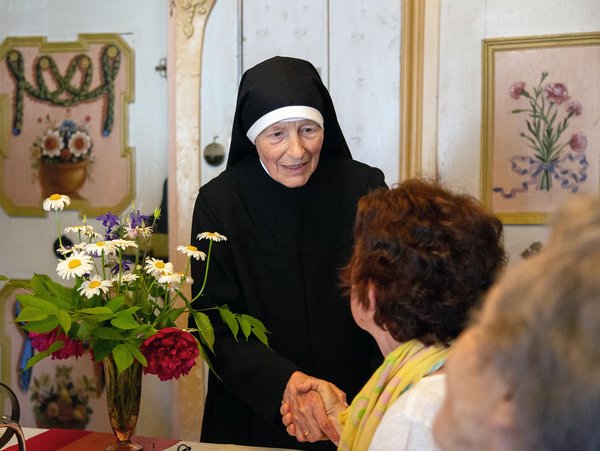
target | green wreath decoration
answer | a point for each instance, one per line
(67, 92)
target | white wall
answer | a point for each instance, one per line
(463, 25)
(26, 243)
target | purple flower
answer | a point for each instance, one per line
(578, 142)
(517, 89)
(139, 220)
(125, 265)
(574, 107)
(110, 222)
(556, 93)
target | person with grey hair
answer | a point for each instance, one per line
(526, 374)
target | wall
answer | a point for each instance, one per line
(463, 25)
(355, 47)
(26, 243)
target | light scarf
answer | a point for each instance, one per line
(401, 369)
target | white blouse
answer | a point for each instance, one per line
(407, 423)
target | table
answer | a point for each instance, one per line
(76, 440)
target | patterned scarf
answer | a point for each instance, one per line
(402, 368)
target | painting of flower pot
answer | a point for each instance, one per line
(62, 154)
(64, 123)
(540, 142)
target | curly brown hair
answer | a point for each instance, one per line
(430, 253)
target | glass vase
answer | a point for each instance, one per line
(123, 393)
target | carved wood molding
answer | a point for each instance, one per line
(187, 21)
(418, 88)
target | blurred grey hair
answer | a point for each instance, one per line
(579, 213)
(543, 337)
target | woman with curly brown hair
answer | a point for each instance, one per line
(422, 259)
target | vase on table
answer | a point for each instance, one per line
(123, 393)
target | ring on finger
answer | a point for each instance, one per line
(306, 432)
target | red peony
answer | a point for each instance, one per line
(171, 353)
(41, 342)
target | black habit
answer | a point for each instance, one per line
(280, 264)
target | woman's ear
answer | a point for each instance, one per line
(372, 296)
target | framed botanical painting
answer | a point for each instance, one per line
(64, 123)
(540, 123)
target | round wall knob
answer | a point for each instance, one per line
(214, 153)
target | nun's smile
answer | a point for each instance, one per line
(289, 150)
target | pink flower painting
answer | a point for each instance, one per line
(546, 160)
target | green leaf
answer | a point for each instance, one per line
(137, 354)
(206, 358)
(258, 328)
(58, 291)
(205, 329)
(41, 327)
(256, 323)
(31, 314)
(96, 311)
(39, 282)
(28, 300)
(229, 318)
(123, 357)
(124, 320)
(64, 319)
(261, 336)
(19, 283)
(42, 355)
(102, 348)
(245, 325)
(108, 333)
(115, 303)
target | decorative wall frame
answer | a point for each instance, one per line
(64, 123)
(15, 350)
(540, 139)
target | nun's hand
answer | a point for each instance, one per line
(309, 408)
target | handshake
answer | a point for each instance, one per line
(310, 409)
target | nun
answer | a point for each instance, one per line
(286, 202)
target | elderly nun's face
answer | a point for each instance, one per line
(290, 150)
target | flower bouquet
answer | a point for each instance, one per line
(123, 307)
(546, 125)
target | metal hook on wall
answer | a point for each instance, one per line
(161, 68)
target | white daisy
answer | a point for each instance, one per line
(192, 251)
(157, 267)
(76, 264)
(101, 247)
(82, 230)
(173, 278)
(94, 286)
(214, 236)
(123, 244)
(52, 143)
(128, 277)
(80, 143)
(56, 202)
